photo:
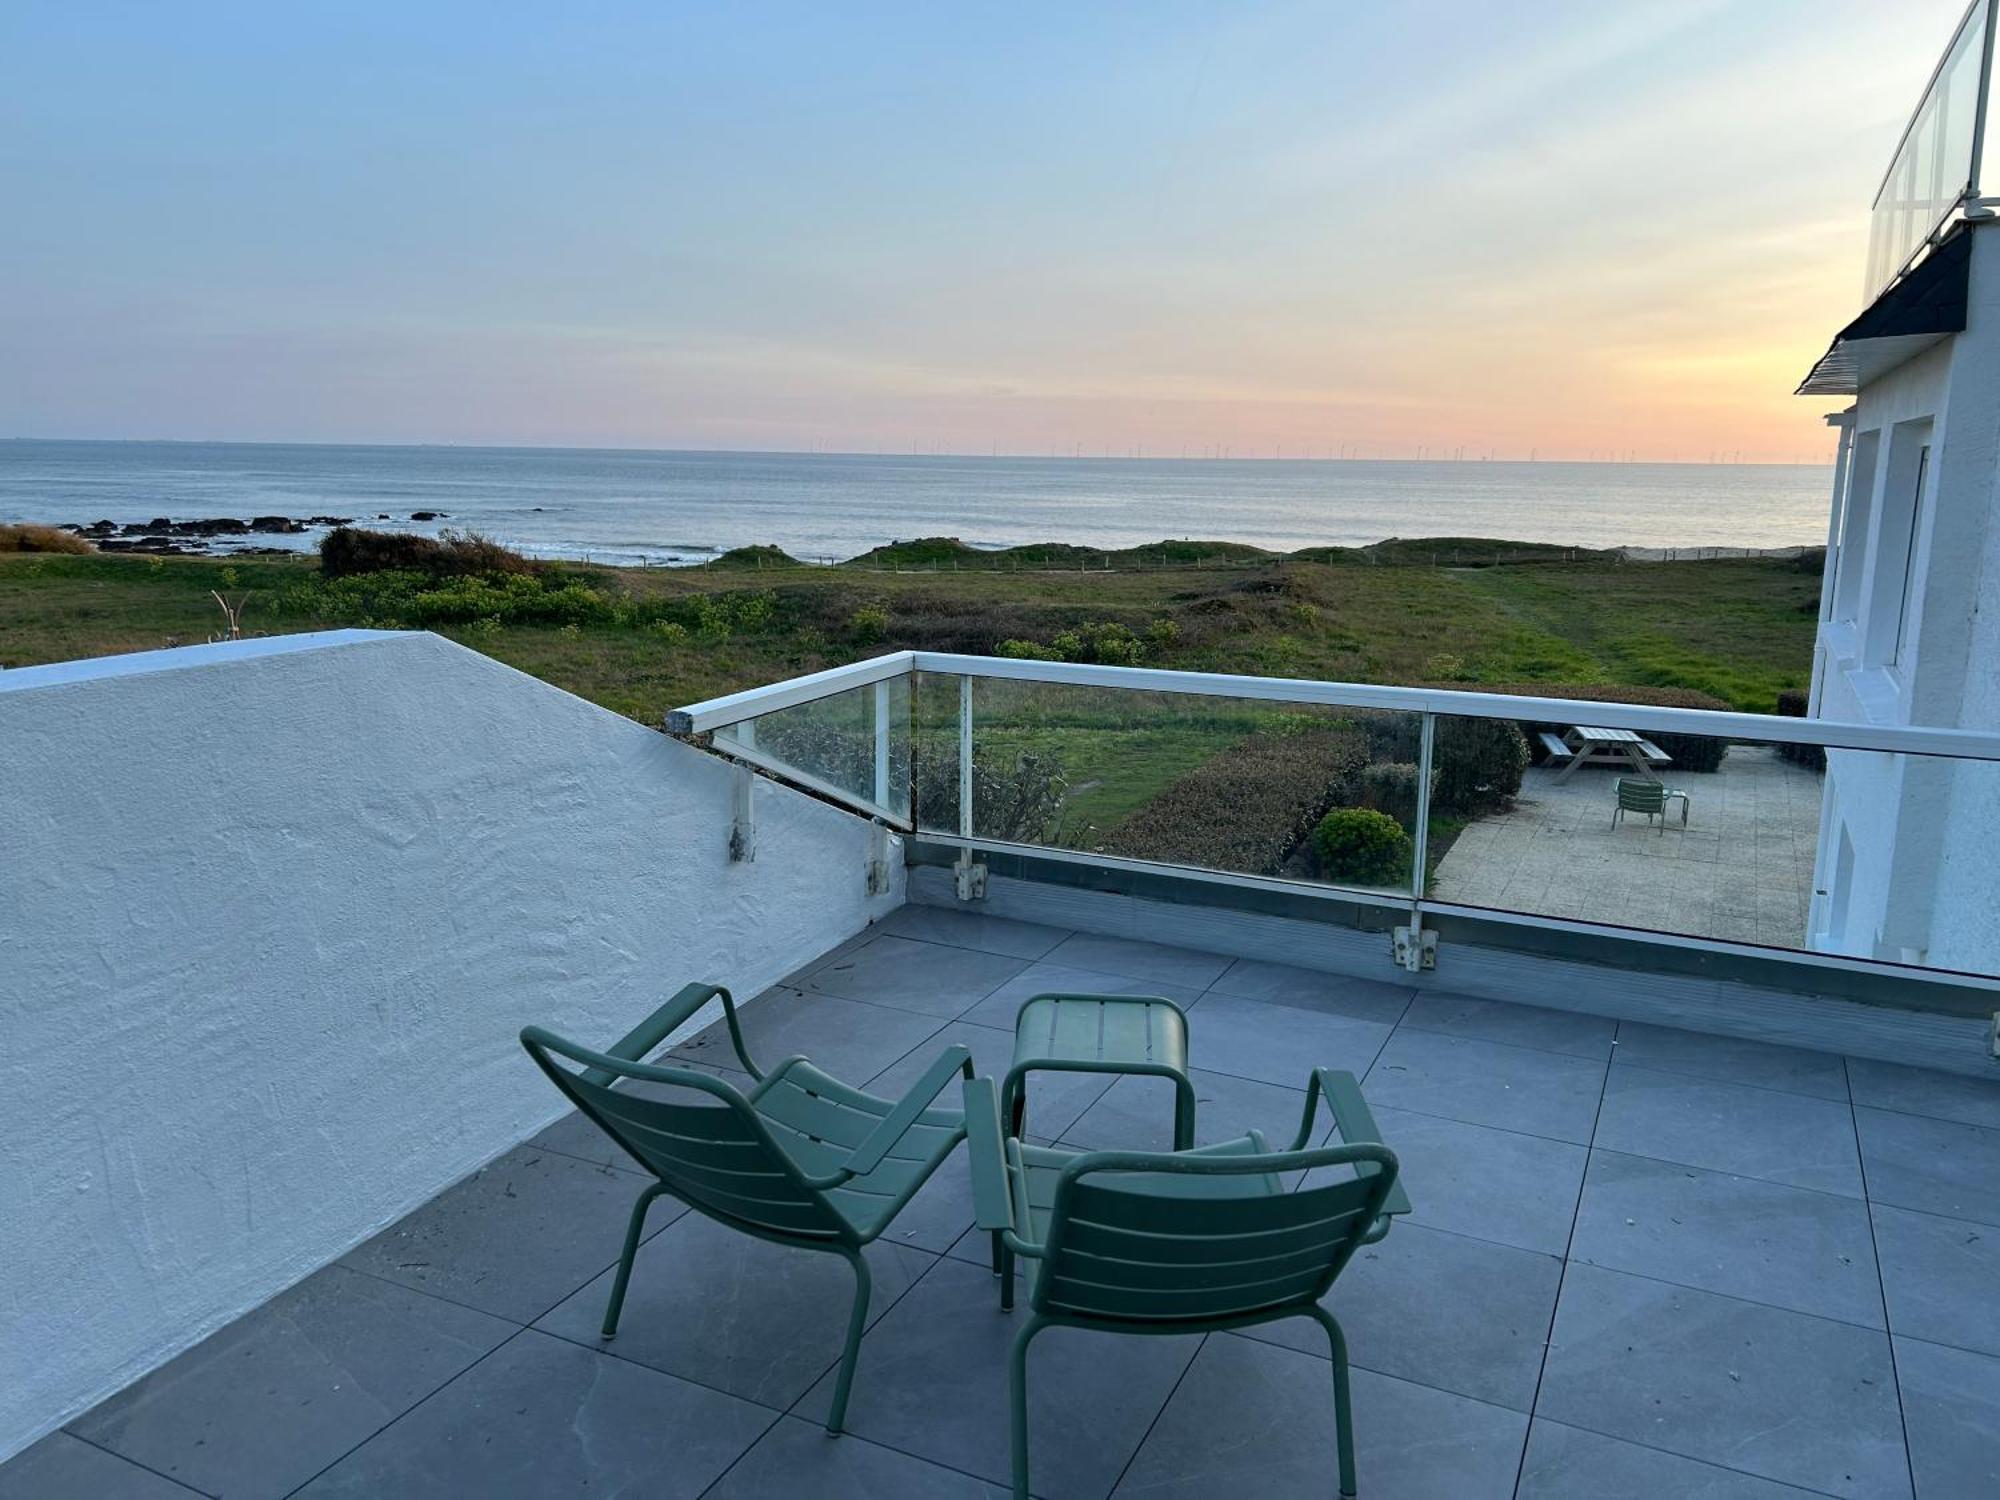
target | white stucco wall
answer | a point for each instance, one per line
(271, 915)
(1926, 861)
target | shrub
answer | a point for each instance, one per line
(1391, 787)
(869, 623)
(671, 631)
(1163, 634)
(1246, 809)
(1476, 764)
(1109, 643)
(1792, 703)
(1021, 650)
(32, 538)
(348, 550)
(1362, 846)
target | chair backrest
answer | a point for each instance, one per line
(1637, 794)
(703, 1140)
(1156, 1237)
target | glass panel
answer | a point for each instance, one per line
(1932, 169)
(1236, 785)
(1687, 834)
(858, 741)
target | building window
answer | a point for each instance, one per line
(1906, 625)
(1851, 560)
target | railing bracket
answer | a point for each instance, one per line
(878, 860)
(969, 878)
(743, 829)
(1416, 949)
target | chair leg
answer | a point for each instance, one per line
(1017, 1402)
(996, 1252)
(1006, 1279)
(857, 1322)
(633, 1230)
(1343, 1406)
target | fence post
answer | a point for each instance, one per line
(969, 879)
(1415, 949)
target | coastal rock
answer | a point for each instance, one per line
(427, 515)
(276, 523)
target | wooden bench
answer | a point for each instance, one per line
(1553, 743)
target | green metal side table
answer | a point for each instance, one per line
(1135, 1034)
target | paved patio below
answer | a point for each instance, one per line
(1741, 869)
(1641, 1262)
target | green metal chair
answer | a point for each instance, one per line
(802, 1159)
(1639, 794)
(1154, 1242)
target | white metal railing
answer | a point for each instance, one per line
(881, 788)
(1937, 163)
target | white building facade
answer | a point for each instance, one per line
(1908, 631)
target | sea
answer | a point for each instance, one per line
(664, 507)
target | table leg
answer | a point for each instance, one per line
(1183, 1114)
(1576, 758)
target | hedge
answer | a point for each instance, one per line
(1476, 764)
(1357, 845)
(1688, 752)
(1792, 705)
(1246, 809)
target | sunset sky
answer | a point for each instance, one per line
(1577, 229)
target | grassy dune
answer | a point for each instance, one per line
(640, 641)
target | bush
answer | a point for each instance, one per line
(869, 623)
(347, 550)
(1792, 704)
(1391, 787)
(1476, 764)
(1360, 846)
(1688, 752)
(1020, 650)
(1246, 809)
(32, 538)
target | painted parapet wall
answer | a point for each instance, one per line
(271, 915)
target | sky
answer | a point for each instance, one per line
(1552, 229)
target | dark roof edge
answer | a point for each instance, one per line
(1929, 301)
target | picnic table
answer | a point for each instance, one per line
(1595, 745)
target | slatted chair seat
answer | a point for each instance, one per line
(802, 1159)
(1152, 1242)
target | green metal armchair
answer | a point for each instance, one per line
(802, 1159)
(1183, 1242)
(1640, 794)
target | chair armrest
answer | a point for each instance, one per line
(676, 1013)
(896, 1124)
(1357, 1125)
(992, 1206)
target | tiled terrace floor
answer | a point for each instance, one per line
(1740, 870)
(1642, 1262)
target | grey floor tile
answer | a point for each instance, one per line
(1567, 1463)
(1939, 1276)
(1740, 1236)
(1567, 1031)
(714, 1305)
(1951, 1409)
(1488, 1083)
(543, 1417)
(1278, 1043)
(933, 1383)
(929, 978)
(1462, 1315)
(796, 1459)
(61, 1467)
(1314, 989)
(515, 1238)
(1152, 962)
(1731, 1059)
(1933, 1166)
(1054, 1099)
(845, 946)
(1252, 1419)
(1137, 1114)
(1498, 1185)
(1782, 1395)
(1925, 1091)
(1728, 1127)
(1000, 1008)
(972, 929)
(261, 1406)
(846, 1038)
